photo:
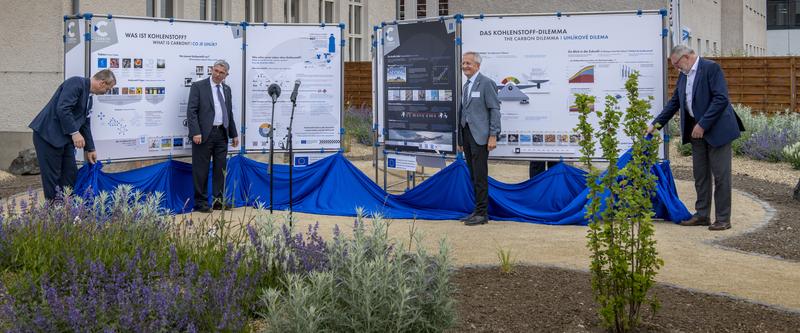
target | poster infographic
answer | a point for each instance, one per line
(539, 63)
(155, 63)
(281, 55)
(419, 64)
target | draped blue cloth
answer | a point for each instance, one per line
(333, 186)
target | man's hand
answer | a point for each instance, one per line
(492, 144)
(235, 142)
(77, 140)
(650, 129)
(197, 139)
(90, 156)
(697, 132)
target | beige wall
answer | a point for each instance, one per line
(754, 30)
(745, 26)
(704, 18)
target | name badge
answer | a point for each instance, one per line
(475, 94)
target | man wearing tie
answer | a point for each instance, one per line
(210, 121)
(479, 123)
(64, 125)
(709, 123)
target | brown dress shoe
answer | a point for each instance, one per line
(696, 221)
(720, 225)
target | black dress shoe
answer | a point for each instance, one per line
(202, 209)
(477, 220)
(696, 221)
(466, 218)
(219, 206)
(720, 225)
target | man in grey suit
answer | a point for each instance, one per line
(710, 124)
(210, 121)
(479, 126)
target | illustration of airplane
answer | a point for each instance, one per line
(511, 90)
(416, 137)
(423, 138)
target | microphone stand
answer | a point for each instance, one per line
(291, 159)
(271, 151)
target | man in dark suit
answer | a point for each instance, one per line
(211, 123)
(710, 124)
(479, 123)
(64, 125)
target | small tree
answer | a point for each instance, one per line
(624, 261)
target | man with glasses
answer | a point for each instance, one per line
(210, 121)
(63, 125)
(710, 124)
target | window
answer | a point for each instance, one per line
(216, 10)
(247, 11)
(783, 14)
(401, 10)
(355, 19)
(422, 8)
(259, 11)
(151, 8)
(203, 6)
(167, 8)
(355, 29)
(291, 11)
(161, 8)
(444, 8)
(355, 48)
(326, 11)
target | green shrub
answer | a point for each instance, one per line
(624, 261)
(792, 155)
(372, 285)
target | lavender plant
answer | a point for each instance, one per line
(768, 143)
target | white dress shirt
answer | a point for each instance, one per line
(690, 86)
(471, 83)
(217, 105)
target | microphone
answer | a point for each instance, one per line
(294, 92)
(274, 91)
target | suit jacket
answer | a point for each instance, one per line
(483, 111)
(200, 110)
(67, 112)
(710, 104)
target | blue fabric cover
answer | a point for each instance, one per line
(333, 186)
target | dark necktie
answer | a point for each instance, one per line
(464, 99)
(222, 108)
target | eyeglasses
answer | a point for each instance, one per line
(675, 63)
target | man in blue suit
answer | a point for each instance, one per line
(709, 123)
(63, 125)
(210, 120)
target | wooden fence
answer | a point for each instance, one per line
(766, 84)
